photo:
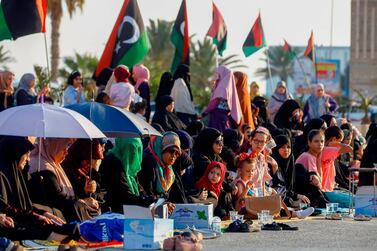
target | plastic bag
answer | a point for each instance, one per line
(104, 228)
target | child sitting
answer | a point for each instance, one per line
(333, 148)
(211, 188)
(246, 166)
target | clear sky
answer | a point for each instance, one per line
(290, 19)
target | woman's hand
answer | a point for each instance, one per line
(56, 220)
(90, 186)
(171, 207)
(45, 220)
(6, 221)
(303, 199)
(91, 202)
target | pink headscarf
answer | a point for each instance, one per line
(226, 89)
(141, 74)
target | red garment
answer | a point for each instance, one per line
(204, 183)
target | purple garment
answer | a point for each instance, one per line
(219, 119)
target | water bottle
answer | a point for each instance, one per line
(216, 224)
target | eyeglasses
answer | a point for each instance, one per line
(259, 142)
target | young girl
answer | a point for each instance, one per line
(212, 180)
(308, 175)
(246, 166)
(211, 186)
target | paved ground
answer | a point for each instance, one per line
(313, 234)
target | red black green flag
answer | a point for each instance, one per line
(255, 39)
(288, 49)
(22, 17)
(309, 51)
(180, 38)
(128, 43)
(218, 30)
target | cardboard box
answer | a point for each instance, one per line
(366, 201)
(142, 230)
(198, 215)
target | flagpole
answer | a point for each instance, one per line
(48, 64)
(269, 69)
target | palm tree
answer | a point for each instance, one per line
(55, 10)
(5, 57)
(160, 56)
(281, 64)
(365, 102)
(86, 65)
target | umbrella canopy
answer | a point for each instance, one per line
(114, 121)
(46, 121)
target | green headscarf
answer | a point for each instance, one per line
(130, 152)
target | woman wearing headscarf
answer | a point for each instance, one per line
(165, 115)
(122, 93)
(182, 95)
(156, 175)
(81, 166)
(301, 142)
(244, 97)
(166, 84)
(74, 93)
(368, 161)
(207, 148)
(124, 163)
(6, 90)
(25, 93)
(289, 116)
(50, 184)
(329, 119)
(277, 99)
(24, 220)
(232, 144)
(319, 103)
(254, 90)
(141, 75)
(224, 107)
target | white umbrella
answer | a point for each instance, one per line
(46, 121)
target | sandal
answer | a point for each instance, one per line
(272, 227)
(238, 226)
(334, 216)
(287, 227)
(361, 217)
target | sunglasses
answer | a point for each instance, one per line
(173, 152)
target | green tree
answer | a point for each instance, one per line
(161, 54)
(43, 78)
(84, 63)
(55, 10)
(281, 64)
(365, 102)
(5, 58)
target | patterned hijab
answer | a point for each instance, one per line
(130, 152)
(165, 174)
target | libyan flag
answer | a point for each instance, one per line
(128, 43)
(218, 30)
(180, 38)
(309, 51)
(287, 48)
(255, 39)
(22, 17)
